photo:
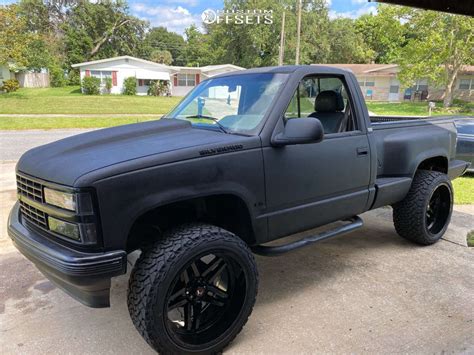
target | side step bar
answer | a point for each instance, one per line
(355, 223)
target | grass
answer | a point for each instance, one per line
(470, 239)
(70, 100)
(419, 108)
(21, 123)
(464, 190)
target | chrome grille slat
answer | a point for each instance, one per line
(34, 191)
(29, 188)
(34, 215)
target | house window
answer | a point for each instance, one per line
(466, 84)
(144, 82)
(186, 79)
(421, 85)
(368, 82)
(101, 74)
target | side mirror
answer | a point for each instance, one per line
(300, 131)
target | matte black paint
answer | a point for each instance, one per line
(287, 188)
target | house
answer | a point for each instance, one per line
(120, 68)
(380, 82)
(185, 78)
(180, 79)
(25, 78)
(5, 74)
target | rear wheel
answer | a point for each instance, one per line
(424, 215)
(193, 291)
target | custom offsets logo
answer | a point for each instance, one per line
(239, 17)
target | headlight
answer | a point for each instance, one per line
(67, 229)
(60, 199)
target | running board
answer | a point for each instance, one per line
(355, 223)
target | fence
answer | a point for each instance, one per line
(33, 80)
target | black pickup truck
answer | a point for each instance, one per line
(244, 159)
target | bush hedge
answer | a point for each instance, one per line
(10, 85)
(130, 86)
(91, 85)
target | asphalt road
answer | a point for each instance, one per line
(14, 143)
(367, 292)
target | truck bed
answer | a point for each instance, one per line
(403, 120)
(402, 143)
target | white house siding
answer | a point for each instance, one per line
(125, 67)
(4, 74)
(143, 70)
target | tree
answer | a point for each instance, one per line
(159, 38)
(442, 45)
(161, 56)
(347, 45)
(15, 39)
(198, 51)
(102, 29)
(258, 44)
(383, 33)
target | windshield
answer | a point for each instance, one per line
(233, 104)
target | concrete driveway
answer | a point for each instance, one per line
(367, 292)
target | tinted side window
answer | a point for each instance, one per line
(326, 99)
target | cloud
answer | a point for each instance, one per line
(174, 18)
(359, 2)
(369, 9)
(191, 3)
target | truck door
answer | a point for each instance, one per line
(308, 185)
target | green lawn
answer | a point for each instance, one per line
(18, 123)
(418, 108)
(464, 189)
(70, 100)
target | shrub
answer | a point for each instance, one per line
(91, 85)
(56, 76)
(10, 85)
(108, 84)
(157, 88)
(73, 77)
(130, 86)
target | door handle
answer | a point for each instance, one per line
(362, 151)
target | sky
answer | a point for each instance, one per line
(176, 15)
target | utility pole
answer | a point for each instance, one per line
(298, 34)
(282, 40)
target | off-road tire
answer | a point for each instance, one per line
(409, 215)
(158, 266)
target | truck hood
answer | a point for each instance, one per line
(66, 160)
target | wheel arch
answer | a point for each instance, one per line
(434, 163)
(228, 210)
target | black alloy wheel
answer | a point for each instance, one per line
(205, 299)
(193, 290)
(438, 209)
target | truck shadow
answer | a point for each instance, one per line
(316, 264)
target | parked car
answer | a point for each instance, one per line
(244, 159)
(465, 145)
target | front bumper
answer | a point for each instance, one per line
(84, 276)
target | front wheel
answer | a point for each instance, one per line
(424, 215)
(193, 290)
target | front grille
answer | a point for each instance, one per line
(33, 215)
(29, 188)
(34, 191)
